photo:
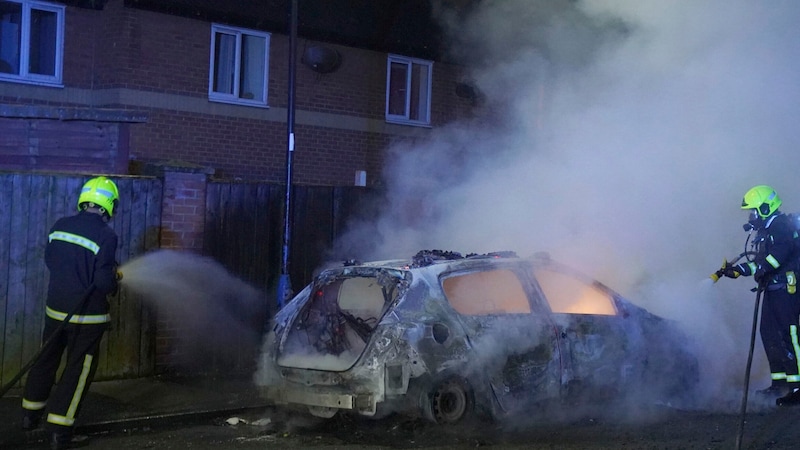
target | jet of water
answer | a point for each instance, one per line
(208, 315)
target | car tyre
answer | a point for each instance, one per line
(451, 401)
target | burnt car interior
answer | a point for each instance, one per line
(338, 320)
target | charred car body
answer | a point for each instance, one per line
(447, 337)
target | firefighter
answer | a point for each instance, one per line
(774, 266)
(80, 255)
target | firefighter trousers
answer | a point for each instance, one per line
(779, 334)
(81, 342)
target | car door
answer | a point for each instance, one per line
(514, 353)
(597, 342)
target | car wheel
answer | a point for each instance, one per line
(322, 411)
(451, 401)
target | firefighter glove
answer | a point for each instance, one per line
(730, 270)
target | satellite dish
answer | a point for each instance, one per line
(321, 59)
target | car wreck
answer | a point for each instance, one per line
(446, 337)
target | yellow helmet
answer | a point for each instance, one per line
(100, 191)
(763, 199)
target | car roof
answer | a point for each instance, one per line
(443, 261)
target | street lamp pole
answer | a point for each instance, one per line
(284, 282)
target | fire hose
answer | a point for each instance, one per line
(743, 410)
(49, 340)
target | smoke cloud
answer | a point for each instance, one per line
(619, 136)
(210, 318)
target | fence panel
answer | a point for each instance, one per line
(244, 228)
(33, 202)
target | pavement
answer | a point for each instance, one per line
(137, 403)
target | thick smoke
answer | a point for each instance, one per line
(620, 137)
(212, 318)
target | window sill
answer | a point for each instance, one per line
(239, 102)
(410, 123)
(19, 80)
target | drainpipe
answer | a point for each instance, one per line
(284, 282)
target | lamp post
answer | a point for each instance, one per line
(284, 282)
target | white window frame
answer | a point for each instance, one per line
(24, 76)
(424, 106)
(234, 96)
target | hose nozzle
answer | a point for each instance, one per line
(721, 272)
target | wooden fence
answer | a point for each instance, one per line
(244, 227)
(29, 205)
(243, 231)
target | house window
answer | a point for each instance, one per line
(239, 66)
(408, 90)
(31, 41)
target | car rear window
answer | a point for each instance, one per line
(363, 297)
(485, 293)
(569, 295)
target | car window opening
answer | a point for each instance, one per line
(486, 293)
(337, 322)
(568, 295)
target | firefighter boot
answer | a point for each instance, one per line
(790, 399)
(65, 440)
(31, 420)
(775, 391)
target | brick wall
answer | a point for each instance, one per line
(182, 223)
(170, 54)
(183, 210)
(157, 64)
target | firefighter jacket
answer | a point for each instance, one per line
(775, 252)
(80, 253)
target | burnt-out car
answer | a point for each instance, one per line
(447, 337)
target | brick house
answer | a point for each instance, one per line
(103, 85)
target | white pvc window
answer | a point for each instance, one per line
(239, 66)
(408, 90)
(31, 42)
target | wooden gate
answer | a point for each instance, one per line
(30, 204)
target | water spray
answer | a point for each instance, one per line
(214, 310)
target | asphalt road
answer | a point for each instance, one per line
(273, 429)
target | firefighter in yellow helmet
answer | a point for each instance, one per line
(774, 263)
(80, 255)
